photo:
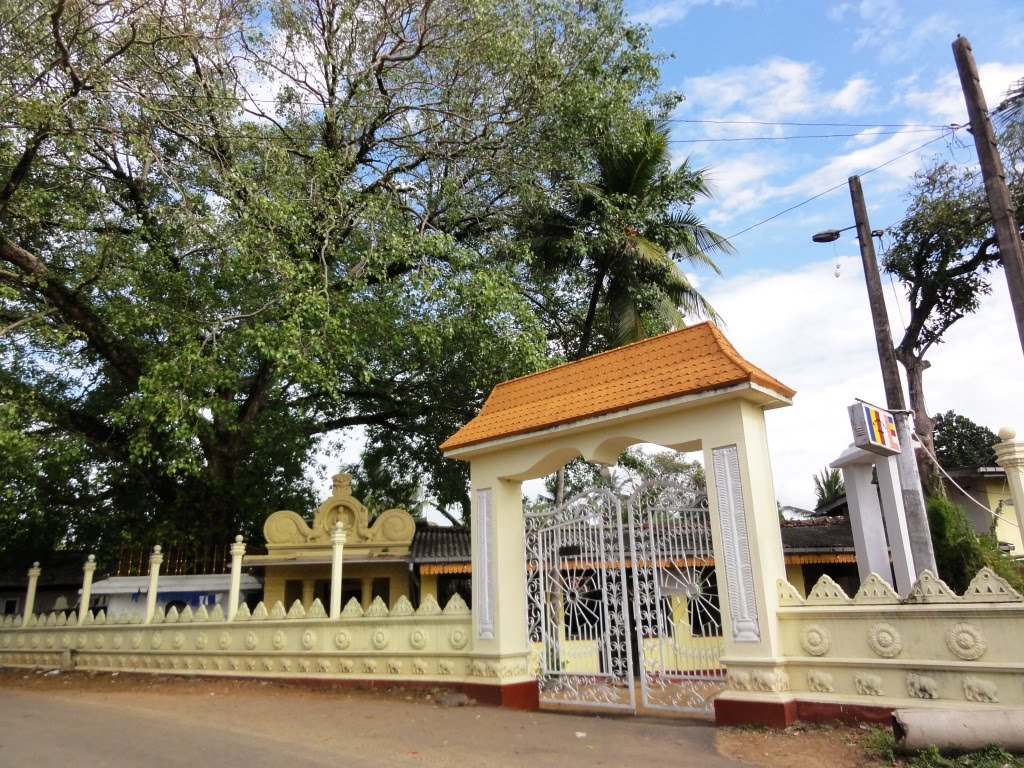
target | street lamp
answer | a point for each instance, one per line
(910, 479)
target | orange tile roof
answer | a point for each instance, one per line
(684, 362)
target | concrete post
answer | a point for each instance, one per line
(1010, 456)
(154, 579)
(900, 547)
(337, 547)
(367, 595)
(88, 570)
(30, 598)
(237, 551)
(865, 514)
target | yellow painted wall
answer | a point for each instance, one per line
(276, 576)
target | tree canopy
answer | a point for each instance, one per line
(230, 227)
(960, 443)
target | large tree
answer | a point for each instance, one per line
(228, 228)
(942, 252)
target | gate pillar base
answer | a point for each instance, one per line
(769, 710)
(523, 695)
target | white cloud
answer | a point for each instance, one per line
(852, 96)
(813, 332)
(665, 13)
(944, 103)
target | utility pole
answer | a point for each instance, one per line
(1007, 233)
(910, 481)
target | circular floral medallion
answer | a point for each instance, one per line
(250, 640)
(137, 640)
(224, 641)
(343, 639)
(458, 638)
(36, 641)
(201, 641)
(418, 639)
(815, 639)
(885, 640)
(380, 638)
(278, 640)
(81, 641)
(98, 641)
(65, 640)
(157, 640)
(966, 641)
(50, 641)
(19, 641)
(308, 639)
(118, 641)
(178, 640)
(6, 642)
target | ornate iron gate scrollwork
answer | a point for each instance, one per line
(577, 597)
(615, 589)
(675, 596)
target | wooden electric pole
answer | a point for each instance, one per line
(910, 480)
(1007, 233)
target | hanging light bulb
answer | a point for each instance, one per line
(836, 273)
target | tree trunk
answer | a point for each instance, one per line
(924, 426)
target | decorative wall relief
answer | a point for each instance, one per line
(308, 639)
(820, 682)
(867, 685)
(966, 641)
(342, 639)
(921, 686)
(977, 689)
(815, 639)
(732, 520)
(885, 640)
(484, 565)
(250, 641)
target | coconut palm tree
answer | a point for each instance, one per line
(620, 238)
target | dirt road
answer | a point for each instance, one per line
(132, 720)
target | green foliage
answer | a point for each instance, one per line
(960, 443)
(828, 486)
(607, 250)
(881, 744)
(227, 230)
(633, 467)
(992, 756)
(960, 552)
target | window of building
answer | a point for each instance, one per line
(292, 592)
(10, 606)
(382, 589)
(448, 584)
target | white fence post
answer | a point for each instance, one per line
(338, 545)
(30, 598)
(88, 569)
(154, 579)
(237, 551)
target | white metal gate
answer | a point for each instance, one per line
(625, 590)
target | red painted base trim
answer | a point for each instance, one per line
(513, 696)
(524, 695)
(823, 712)
(778, 714)
(771, 714)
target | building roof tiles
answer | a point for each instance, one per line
(689, 361)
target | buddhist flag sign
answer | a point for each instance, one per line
(874, 429)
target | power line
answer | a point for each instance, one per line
(862, 134)
(715, 121)
(833, 189)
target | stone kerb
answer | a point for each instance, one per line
(403, 643)
(875, 651)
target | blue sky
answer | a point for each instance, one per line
(865, 68)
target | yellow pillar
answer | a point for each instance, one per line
(308, 590)
(1010, 456)
(367, 592)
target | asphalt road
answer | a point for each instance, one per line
(219, 724)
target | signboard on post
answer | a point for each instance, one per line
(874, 429)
